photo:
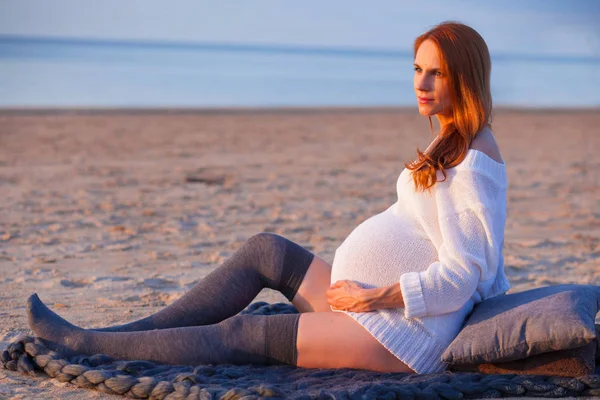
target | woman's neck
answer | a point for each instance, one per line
(444, 121)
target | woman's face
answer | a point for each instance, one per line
(431, 85)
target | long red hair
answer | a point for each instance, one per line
(466, 60)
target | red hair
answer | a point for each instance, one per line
(466, 61)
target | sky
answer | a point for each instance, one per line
(539, 27)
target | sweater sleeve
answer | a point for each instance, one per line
(472, 231)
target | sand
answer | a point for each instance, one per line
(109, 216)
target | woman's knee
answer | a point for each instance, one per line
(263, 237)
(271, 248)
(264, 240)
(283, 264)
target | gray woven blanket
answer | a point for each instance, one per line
(142, 379)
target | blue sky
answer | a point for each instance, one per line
(541, 27)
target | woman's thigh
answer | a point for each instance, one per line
(310, 296)
(336, 340)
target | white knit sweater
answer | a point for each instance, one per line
(445, 249)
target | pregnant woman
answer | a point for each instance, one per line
(403, 280)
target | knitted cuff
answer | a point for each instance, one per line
(412, 294)
(280, 339)
(296, 261)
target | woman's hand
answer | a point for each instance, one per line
(348, 295)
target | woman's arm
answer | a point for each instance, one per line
(350, 296)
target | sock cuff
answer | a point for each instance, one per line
(295, 265)
(281, 339)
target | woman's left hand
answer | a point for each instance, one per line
(348, 295)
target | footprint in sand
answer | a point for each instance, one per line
(132, 298)
(545, 243)
(74, 283)
(159, 283)
(112, 278)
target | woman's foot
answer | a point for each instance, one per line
(57, 333)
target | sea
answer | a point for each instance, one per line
(47, 72)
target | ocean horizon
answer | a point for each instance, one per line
(43, 72)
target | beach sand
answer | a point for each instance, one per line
(110, 216)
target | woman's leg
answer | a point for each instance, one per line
(310, 340)
(241, 339)
(265, 260)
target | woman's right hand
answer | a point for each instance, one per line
(346, 295)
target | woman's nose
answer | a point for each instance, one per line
(422, 83)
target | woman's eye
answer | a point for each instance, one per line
(438, 73)
(417, 69)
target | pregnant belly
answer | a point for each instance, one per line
(379, 250)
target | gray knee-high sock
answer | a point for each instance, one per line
(241, 339)
(265, 260)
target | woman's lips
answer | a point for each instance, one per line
(424, 100)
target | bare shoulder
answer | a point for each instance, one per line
(486, 143)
